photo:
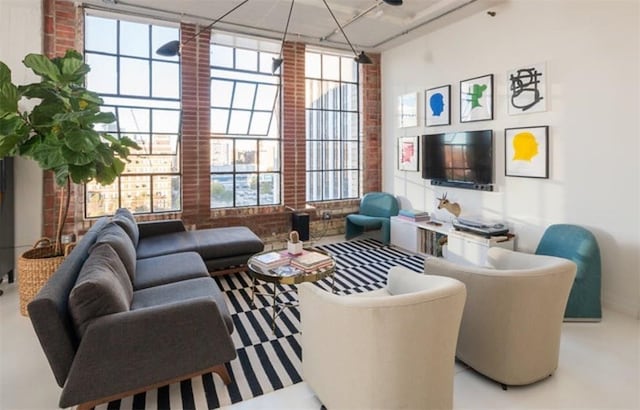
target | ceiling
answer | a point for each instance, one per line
(371, 25)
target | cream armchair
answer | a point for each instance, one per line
(511, 324)
(388, 349)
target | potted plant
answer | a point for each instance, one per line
(58, 131)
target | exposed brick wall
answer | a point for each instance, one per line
(372, 124)
(196, 100)
(293, 125)
(63, 30)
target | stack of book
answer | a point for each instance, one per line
(311, 261)
(413, 215)
(270, 260)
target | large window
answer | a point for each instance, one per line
(333, 127)
(143, 90)
(245, 143)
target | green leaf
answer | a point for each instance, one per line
(73, 69)
(48, 154)
(36, 90)
(9, 98)
(42, 66)
(82, 174)
(77, 158)
(5, 73)
(61, 174)
(104, 118)
(71, 53)
(9, 145)
(81, 140)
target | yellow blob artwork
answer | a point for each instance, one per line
(525, 146)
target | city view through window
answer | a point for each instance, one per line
(245, 143)
(142, 89)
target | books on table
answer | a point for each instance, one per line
(271, 260)
(413, 215)
(282, 263)
(310, 261)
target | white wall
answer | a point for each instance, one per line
(591, 49)
(20, 34)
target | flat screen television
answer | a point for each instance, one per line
(463, 159)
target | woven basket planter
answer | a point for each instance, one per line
(35, 267)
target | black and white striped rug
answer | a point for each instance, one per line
(267, 360)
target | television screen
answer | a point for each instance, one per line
(461, 157)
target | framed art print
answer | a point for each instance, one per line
(437, 106)
(526, 152)
(408, 110)
(526, 89)
(408, 153)
(476, 99)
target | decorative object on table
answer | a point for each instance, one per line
(408, 150)
(294, 245)
(526, 89)
(476, 99)
(526, 152)
(408, 110)
(437, 105)
(59, 133)
(452, 207)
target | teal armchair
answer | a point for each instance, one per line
(376, 209)
(580, 246)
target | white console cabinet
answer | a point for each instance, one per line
(461, 247)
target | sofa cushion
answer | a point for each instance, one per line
(125, 219)
(225, 242)
(166, 244)
(102, 288)
(114, 235)
(163, 269)
(182, 291)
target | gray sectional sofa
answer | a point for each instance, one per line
(134, 307)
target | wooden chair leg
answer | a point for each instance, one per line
(221, 370)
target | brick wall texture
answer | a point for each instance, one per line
(63, 29)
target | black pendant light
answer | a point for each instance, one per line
(277, 62)
(361, 58)
(393, 2)
(172, 48)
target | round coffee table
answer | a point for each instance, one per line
(270, 276)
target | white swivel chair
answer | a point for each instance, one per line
(512, 320)
(386, 349)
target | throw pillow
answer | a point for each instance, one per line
(102, 288)
(125, 219)
(114, 235)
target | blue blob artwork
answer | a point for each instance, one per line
(436, 102)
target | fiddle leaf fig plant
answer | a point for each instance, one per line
(57, 129)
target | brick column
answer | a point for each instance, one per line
(196, 128)
(371, 125)
(62, 31)
(294, 152)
